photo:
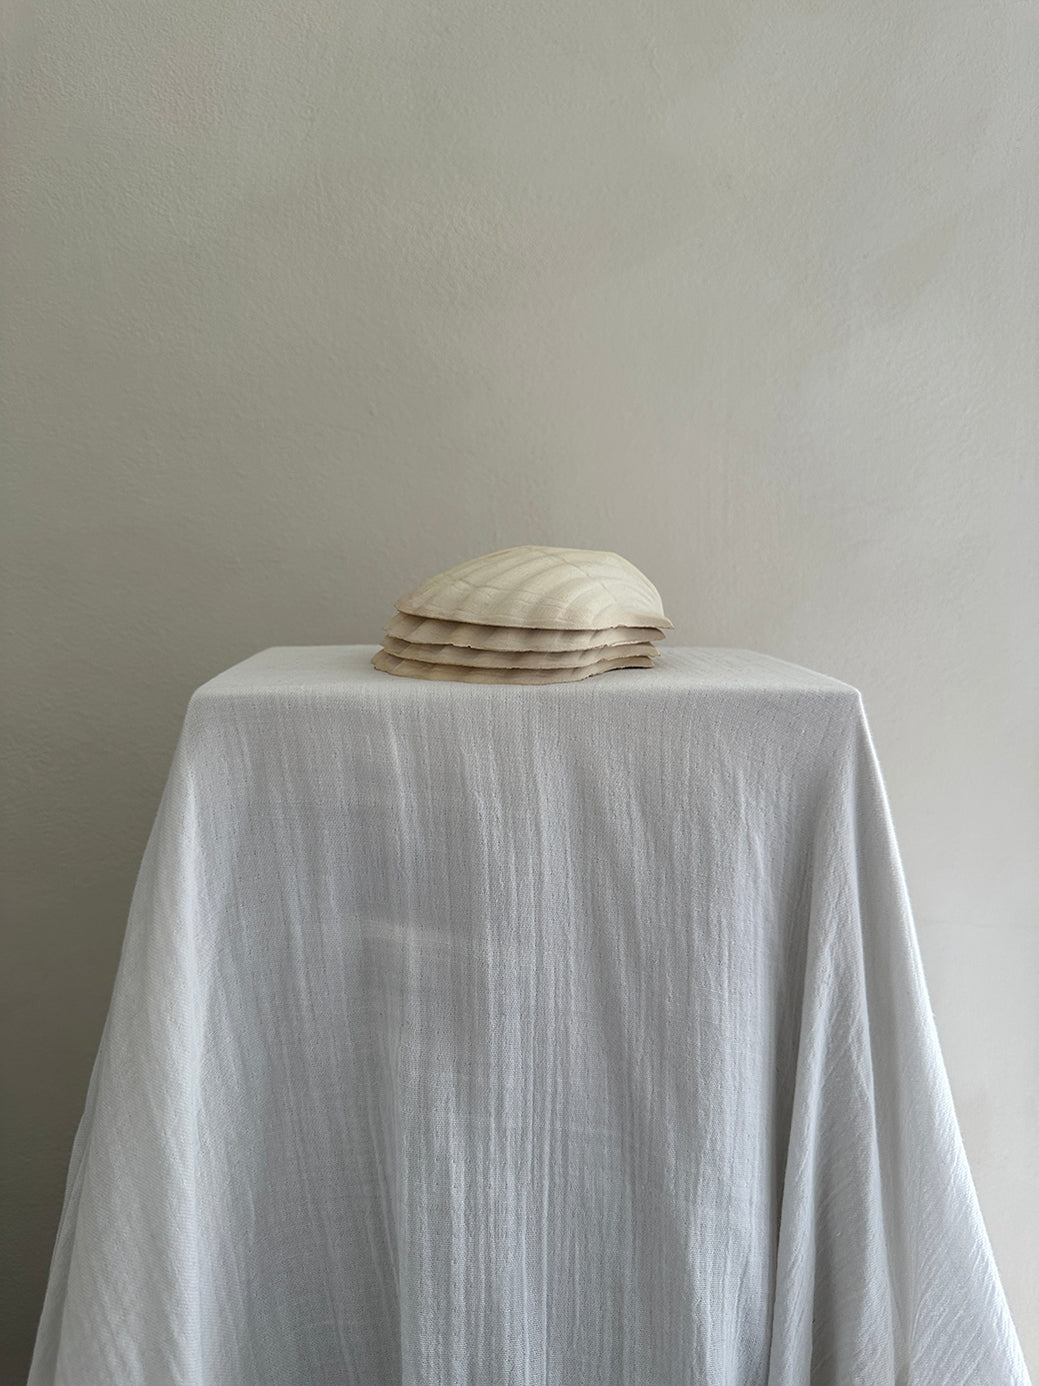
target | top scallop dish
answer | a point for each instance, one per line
(526, 615)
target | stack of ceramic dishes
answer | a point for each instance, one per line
(526, 615)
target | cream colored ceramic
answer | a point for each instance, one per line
(511, 659)
(457, 673)
(541, 587)
(419, 630)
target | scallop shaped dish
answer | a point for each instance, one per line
(420, 630)
(460, 673)
(512, 659)
(543, 588)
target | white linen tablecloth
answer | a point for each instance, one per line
(494, 1036)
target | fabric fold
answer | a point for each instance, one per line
(884, 1272)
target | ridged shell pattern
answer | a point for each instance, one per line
(532, 614)
(547, 588)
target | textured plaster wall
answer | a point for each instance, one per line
(304, 302)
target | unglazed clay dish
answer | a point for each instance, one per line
(512, 659)
(545, 588)
(458, 673)
(419, 630)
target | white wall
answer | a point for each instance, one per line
(305, 302)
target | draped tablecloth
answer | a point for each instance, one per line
(470, 1035)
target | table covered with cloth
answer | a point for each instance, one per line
(471, 1035)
